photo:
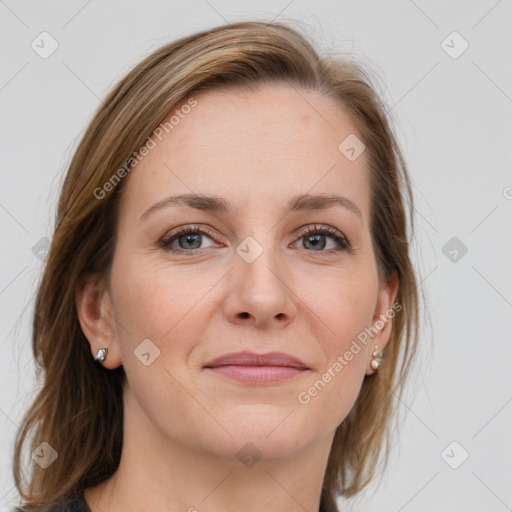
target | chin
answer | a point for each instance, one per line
(265, 448)
(271, 429)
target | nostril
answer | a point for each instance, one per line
(244, 314)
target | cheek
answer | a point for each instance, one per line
(164, 305)
(139, 297)
(347, 304)
(348, 310)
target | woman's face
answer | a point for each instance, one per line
(256, 273)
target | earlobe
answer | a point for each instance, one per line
(95, 314)
(382, 323)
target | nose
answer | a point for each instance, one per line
(260, 293)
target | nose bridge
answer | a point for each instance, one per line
(259, 285)
(259, 263)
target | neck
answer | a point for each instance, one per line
(161, 474)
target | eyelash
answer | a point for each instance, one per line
(323, 230)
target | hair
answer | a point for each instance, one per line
(82, 398)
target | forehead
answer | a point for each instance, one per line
(252, 147)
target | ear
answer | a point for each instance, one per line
(96, 317)
(382, 321)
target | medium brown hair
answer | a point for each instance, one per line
(79, 408)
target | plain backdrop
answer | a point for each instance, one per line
(445, 69)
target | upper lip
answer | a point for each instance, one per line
(254, 359)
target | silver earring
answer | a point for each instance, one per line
(377, 354)
(101, 355)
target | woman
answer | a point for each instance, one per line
(228, 307)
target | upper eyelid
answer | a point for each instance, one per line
(303, 231)
(207, 229)
(192, 227)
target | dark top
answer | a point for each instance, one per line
(77, 505)
(80, 505)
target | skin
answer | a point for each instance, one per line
(184, 424)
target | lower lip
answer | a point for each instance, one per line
(258, 374)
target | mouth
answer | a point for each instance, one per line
(252, 368)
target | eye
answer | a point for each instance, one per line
(189, 239)
(315, 238)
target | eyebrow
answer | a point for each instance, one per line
(302, 202)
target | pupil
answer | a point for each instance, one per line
(189, 237)
(316, 243)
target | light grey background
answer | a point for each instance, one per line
(454, 122)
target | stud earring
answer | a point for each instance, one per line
(377, 354)
(101, 355)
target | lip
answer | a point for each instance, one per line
(253, 368)
(254, 359)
